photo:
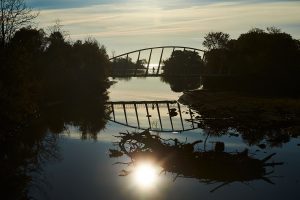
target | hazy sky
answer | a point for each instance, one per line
(124, 25)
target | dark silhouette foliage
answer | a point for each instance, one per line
(38, 71)
(182, 70)
(272, 121)
(126, 67)
(14, 14)
(258, 61)
(183, 63)
(46, 84)
(216, 40)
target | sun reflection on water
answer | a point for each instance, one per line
(146, 175)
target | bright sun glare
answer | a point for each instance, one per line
(145, 175)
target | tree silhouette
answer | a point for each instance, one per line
(216, 40)
(182, 70)
(258, 61)
(14, 14)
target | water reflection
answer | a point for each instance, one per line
(163, 116)
(182, 83)
(23, 154)
(266, 122)
(145, 174)
(150, 155)
(22, 157)
(183, 159)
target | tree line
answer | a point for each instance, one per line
(257, 62)
(265, 61)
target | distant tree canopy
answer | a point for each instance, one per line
(261, 59)
(183, 63)
(126, 67)
(216, 40)
(182, 70)
(127, 63)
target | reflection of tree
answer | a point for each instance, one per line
(215, 166)
(258, 119)
(180, 84)
(182, 70)
(23, 153)
(21, 159)
(89, 115)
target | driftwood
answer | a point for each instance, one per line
(181, 159)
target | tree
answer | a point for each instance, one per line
(216, 40)
(274, 30)
(256, 30)
(14, 14)
(259, 61)
(182, 70)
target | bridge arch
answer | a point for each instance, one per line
(159, 47)
(150, 49)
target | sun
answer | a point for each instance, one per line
(145, 175)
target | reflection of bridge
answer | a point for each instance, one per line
(163, 116)
(146, 72)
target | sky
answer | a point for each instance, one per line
(126, 25)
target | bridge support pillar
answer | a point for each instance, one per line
(149, 62)
(170, 117)
(124, 108)
(148, 116)
(158, 112)
(137, 62)
(137, 116)
(179, 110)
(191, 118)
(160, 59)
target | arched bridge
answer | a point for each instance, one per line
(128, 67)
(162, 116)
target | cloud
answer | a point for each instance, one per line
(63, 4)
(147, 23)
(166, 4)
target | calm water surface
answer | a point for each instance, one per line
(86, 171)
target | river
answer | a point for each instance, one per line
(87, 169)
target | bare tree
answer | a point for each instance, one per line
(13, 15)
